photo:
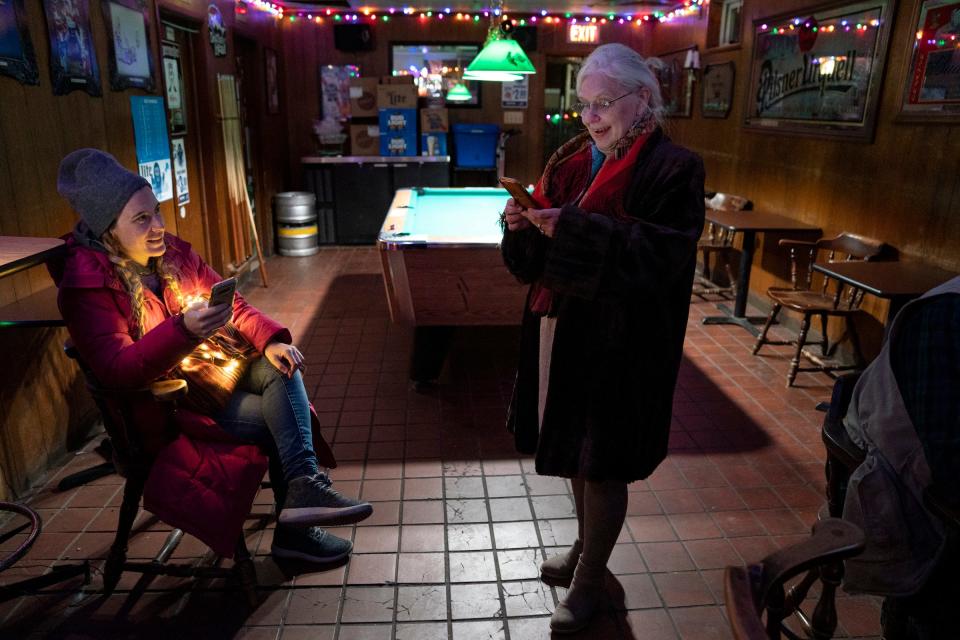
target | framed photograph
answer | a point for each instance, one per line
(932, 77)
(436, 68)
(818, 71)
(16, 47)
(173, 83)
(335, 90)
(718, 83)
(676, 83)
(73, 58)
(273, 91)
(128, 44)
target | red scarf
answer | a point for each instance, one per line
(567, 174)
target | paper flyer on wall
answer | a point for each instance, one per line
(180, 171)
(153, 146)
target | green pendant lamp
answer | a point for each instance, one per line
(500, 60)
(459, 93)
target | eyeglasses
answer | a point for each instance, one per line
(597, 106)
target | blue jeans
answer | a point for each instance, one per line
(270, 409)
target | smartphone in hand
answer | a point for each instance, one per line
(222, 292)
(520, 194)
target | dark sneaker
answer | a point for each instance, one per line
(312, 544)
(313, 500)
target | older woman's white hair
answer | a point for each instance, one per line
(628, 69)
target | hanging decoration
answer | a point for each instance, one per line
(322, 16)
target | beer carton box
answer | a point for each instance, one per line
(364, 140)
(433, 144)
(397, 96)
(363, 97)
(434, 121)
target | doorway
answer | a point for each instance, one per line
(560, 93)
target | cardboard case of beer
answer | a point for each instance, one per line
(363, 98)
(434, 121)
(364, 139)
(397, 96)
(398, 132)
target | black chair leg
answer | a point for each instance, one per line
(132, 492)
(801, 341)
(246, 571)
(824, 337)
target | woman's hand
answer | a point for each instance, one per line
(514, 216)
(285, 358)
(203, 321)
(543, 219)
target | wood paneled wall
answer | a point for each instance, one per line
(903, 188)
(308, 46)
(43, 406)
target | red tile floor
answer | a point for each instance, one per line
(461, 521)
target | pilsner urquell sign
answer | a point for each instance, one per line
(818, 69)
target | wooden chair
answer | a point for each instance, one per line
(837, 301)
(716, 247)
(758, 606)
(133, 463)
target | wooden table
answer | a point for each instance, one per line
(39, 309)
(749, 223)
(899, 282)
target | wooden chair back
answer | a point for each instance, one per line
(717, 235)
(755, 597)
(844, 247)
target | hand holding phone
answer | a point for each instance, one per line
(222, 292)
(520, 194)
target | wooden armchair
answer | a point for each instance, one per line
(758, 606)
(829, 300)
(134, 464)
(716, 247)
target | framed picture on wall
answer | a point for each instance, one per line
(128, 44)
(73, 58)
(16, 47)
(335, 90)
(717, 93)
(932, 77)
(270, 73)
(818, 71)
(676, 82)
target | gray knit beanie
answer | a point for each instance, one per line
(97, 187)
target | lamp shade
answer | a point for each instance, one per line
(459, 93)
(500, 60)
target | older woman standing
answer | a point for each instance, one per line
(610, 259)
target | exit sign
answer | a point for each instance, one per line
(583, 33)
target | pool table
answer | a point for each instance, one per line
(440, 251)
(442, 268)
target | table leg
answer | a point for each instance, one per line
(896, 303)
(738, 315)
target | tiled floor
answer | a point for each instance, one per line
(461, 521)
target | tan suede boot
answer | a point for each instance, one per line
(560, 568)
(583, 598)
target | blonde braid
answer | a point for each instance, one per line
(131, 282)
(171, 275)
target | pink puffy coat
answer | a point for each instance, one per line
(203, 481)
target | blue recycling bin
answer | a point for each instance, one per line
(475, 146)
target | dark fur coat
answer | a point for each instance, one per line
(621, 296)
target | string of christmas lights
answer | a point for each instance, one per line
(321, 16)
